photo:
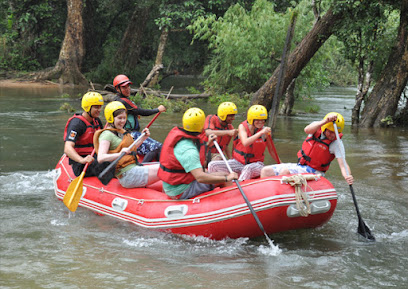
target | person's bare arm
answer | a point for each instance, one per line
(247, 141)
(349, 178)
(70, 151)
(213, 178)
(314, 126)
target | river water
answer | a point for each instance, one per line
(42, 245)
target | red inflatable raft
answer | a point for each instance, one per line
(218, 214)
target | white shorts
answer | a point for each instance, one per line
(295, 169)
(136, 177)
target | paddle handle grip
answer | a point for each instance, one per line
(87, 164)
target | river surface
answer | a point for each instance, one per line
(42, 245)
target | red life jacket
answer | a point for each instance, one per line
(222, 141)
(84, 144)
(315, 152)
(171, 171)
(252, 153)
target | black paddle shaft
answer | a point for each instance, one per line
(362, 229)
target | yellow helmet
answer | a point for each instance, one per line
(339, 123)
(193, 119)
(91, 98)
(111, 108)
(256, 111)
(226, 108)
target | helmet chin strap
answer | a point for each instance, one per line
(89, 112)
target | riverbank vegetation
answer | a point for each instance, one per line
(237, 45)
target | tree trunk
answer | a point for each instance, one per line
(298, 59)
(384, 98)
(289, 101)
(364, 82)
(155, 71)
(279, 88)
(130, 47)
(68, 66)
(159, 57)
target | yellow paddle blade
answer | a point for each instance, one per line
(74, 193)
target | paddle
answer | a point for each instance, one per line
(272, 149)
(107, 174)
(74, 191)
(363, 230)
(243, 195)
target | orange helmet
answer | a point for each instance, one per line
(121, 80)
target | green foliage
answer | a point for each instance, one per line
(367, 32)
(178, 15)
(171, 105)
(312, 108)
(243, 44)
(32, 35)
(67, 107)
(241, 101)
(246, 47)
(193, 90)
(388, 120)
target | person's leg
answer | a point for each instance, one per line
(94, 168)
(137, 177)
(268, 171)
(152, 155)
(196, 189)
(152, 173)
(251, 171)
(220, 166)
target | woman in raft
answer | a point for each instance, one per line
(114, 140)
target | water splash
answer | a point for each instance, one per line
(272, 250)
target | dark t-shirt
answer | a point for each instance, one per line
(77, 127)
(135, 111)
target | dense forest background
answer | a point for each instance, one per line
(272, 52)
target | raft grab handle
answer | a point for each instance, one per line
(317, 207)
(177, 211)
(119, 204)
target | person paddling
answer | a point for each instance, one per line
(183, 159)
(150, 148)
(318, 150)
(112, 141)
(78, 136)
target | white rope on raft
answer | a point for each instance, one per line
(297, 181)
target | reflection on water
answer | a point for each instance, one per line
(43, 245)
